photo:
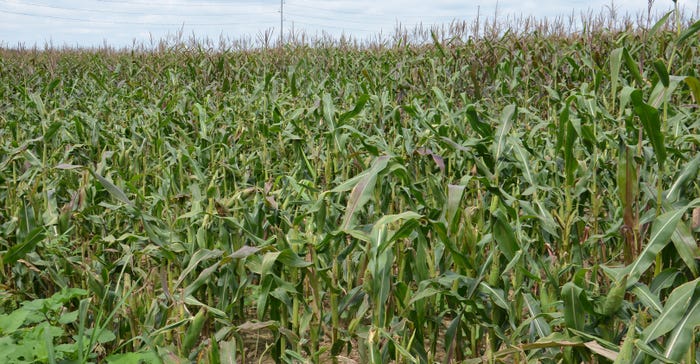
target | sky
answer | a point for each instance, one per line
(122, 23)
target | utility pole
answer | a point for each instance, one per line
(281, 23)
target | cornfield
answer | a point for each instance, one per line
(512, 196)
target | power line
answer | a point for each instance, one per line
(71, 9)
(126, 22)
(182, 3)
(111, 11)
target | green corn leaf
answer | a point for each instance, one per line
(647, 298)
(689, 173)
(555, 340)
(170, 327)
(615, 63)
(694, 85)
(686, 247)
(18, 251)
(438, 44)
(546, 219)
(328, 110)
(681, 338)
(38, 103)
(648, 350)
(454, 198)
(362, 191)
(82, 325)
(661, 232)
(451, 333)
(540, 325)
(523, 157)
(198, 257)
(382, 236)
(689, 32)
(52, 85)
(659, 24)
(244, 252)
(113, 190)
(626, 97)
(660, 94)
(263, 295)
(52, 130)
(203, 277)
(406, 355)
(423, 293)
(651, 123)
(441, 100)
(496, 295)
(661, 71)
(570, 161)
(391, 219)
(67, 166)
(591, 337)
(359, 105)
(291, 259)
(203, 120)
(627, 183)
(504, 235)
(405, 229)
(663, 280)
(674, 310)
(268, 262)
(457, 255)
(633, 68)
(516, 262)
(506, 122)
(574, 315)
(595, 347)
(483, 129)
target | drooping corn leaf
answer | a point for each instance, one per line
(651, 123)
(675, 308)
(574, 314)
(362, 191)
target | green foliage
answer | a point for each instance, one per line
(36, 331)
(507, 197)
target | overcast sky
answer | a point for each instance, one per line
(119, 23)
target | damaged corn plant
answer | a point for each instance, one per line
(523, 194)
